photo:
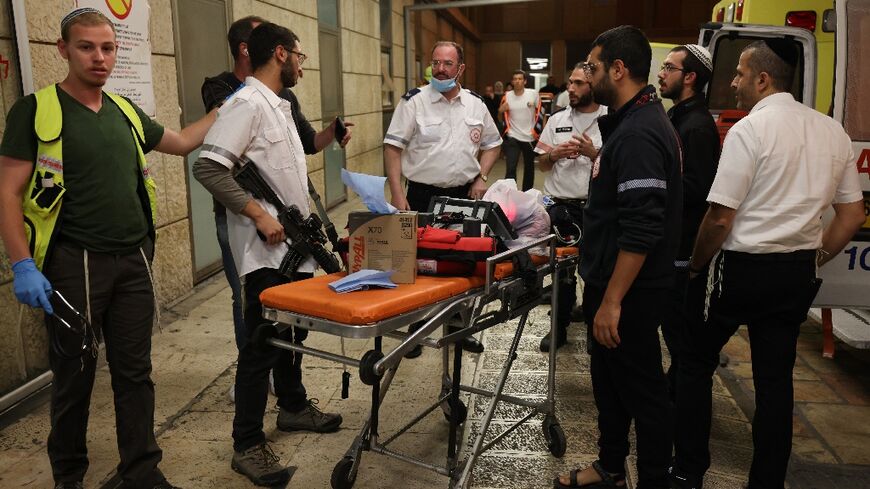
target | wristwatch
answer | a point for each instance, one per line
(483, 177)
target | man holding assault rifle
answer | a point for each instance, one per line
(256, 141)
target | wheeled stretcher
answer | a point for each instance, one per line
(481, 302)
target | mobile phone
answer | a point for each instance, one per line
(340, 130)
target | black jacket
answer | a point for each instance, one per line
(492, 105)
(215, 91)
(700, 145)
(635, 195)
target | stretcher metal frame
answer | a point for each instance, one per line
(518, 295)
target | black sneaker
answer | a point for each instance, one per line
(414, 352)
(561, 340)
(678, 479)
(470, 344)
(69, 485)
(260, 464)
(310, 418)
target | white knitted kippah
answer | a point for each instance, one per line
(75, 13)
(702, 54)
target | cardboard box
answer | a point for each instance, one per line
(384, 242)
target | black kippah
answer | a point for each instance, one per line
(785, 49)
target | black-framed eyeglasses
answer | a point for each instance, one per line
(589, 68)
(667, 68)
(302, 56)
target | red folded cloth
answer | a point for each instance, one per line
(438, 235)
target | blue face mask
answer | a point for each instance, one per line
(443, 85)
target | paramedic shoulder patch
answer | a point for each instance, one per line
(410, 93)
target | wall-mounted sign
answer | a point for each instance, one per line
(132, 74)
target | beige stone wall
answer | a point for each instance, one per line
(23, 351)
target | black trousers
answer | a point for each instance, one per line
(122, 310)
(771, 294)
(512, 149)
(563, 215)
(675, 324)
(419, 194)
(252, 373)
(629, 384)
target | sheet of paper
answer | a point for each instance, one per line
(363, 280)
(370, 188)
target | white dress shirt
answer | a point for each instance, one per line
(441, 138)
(258, 125)
(781, 167)
(569, 178)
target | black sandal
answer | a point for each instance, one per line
(608, 480)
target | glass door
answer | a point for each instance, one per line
(332, 104)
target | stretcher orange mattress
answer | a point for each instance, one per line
(313, 297)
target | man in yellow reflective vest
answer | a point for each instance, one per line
(77, 209)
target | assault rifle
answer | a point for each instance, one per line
(305, 234)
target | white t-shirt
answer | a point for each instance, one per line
(520, 116)
(258, 125)
(441, 138)
(781, 167)
(569, 178)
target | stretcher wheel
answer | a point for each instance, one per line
(343, 475)
(462, 410)
(367, 367)
(555, 436)
(264, 332)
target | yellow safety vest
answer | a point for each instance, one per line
(40, 214)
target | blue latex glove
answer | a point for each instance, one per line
(31, 286)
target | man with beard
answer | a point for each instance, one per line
(77, 204)
(761, 241)
(257, 125)
(434, 139)
(568, 145)
(631, 234)
(215, 91)
(683, 75)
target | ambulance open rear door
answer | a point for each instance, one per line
(725, 43)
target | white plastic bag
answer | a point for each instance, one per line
(525, 211)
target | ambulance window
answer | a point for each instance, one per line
(725, 58)
(857, 117)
